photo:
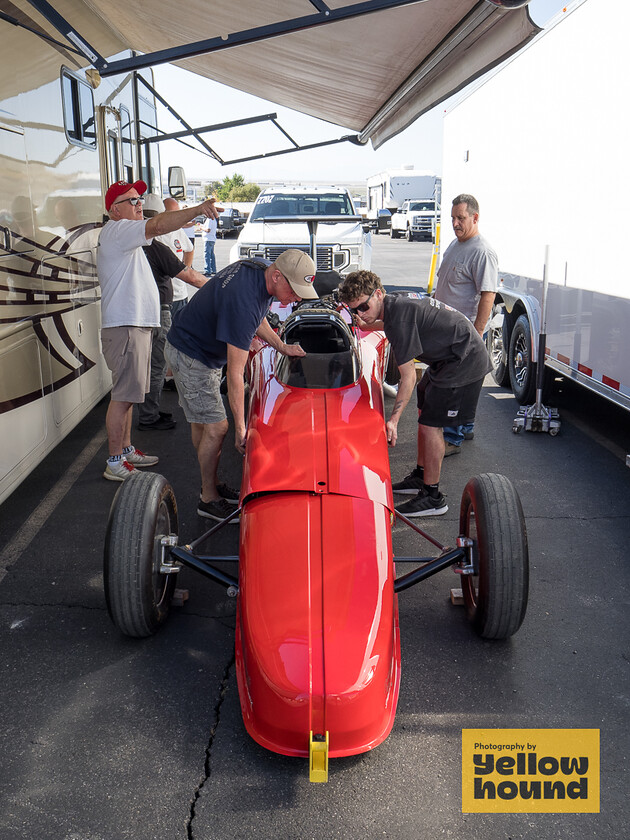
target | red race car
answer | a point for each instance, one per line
(317, 639)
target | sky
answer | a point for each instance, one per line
(203, 102)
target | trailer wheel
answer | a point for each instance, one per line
(138, 595)
(522, 369)
(496, 345)
(492, 516)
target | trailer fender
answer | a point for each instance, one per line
(517, 304)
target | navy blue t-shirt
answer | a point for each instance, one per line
(227, 310)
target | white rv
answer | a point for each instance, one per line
(64, 136)
(525, 143)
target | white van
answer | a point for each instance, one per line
(342, 246)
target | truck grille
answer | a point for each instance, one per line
(324, 254)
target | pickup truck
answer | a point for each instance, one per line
(230, 222)
(280, 220)
(414, 220)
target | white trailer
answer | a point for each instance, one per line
(388, 190)
(525, 143)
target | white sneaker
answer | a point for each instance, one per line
(119, 470)
(139, 459)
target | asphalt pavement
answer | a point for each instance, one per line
(107, 738)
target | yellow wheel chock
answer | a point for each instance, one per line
(318, 757)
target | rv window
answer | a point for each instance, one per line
(125, 132)
(78, 110)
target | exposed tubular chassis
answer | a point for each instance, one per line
(318, 660)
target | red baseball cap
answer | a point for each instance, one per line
(120, 188)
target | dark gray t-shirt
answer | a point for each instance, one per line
(441, 337)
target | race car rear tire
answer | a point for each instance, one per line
(492, 516)
(138, 595)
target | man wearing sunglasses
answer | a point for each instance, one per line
(130, 310)
(425, 329)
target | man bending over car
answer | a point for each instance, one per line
(447, 394)
(216, 327)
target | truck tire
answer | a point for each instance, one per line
(492, 516)
(409, 235)
(497, 347)
(393, 234)
(522, 370)
(138, 596)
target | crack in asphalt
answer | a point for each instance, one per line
(207, 763)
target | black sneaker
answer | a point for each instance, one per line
(410, 484)
(424, 505)
(228, 493)
(162, 424)
(219, 510)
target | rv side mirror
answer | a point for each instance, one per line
(177, 186)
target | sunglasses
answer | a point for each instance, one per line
(132, 201)
(362, 307)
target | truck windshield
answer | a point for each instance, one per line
(423, 205)
(304, 204)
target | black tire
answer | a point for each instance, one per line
(522, 369)
(393, 233)
(492, 516)
(496, 345)
(409, 235)
(138, 596)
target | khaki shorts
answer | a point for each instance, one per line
(198, 386)
(127, 351)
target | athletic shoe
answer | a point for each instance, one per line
(228, 493)
(424, 505)
(219, 510)
(451, 449)
(119, 470)
(139, 459)
(410, 484)
(162, 424)
(469, 435)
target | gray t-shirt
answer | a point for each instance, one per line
(467, 269)
(423, 328)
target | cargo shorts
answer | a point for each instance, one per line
(198, 387)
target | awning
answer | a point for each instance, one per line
(372, 66)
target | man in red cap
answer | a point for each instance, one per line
(130, 308)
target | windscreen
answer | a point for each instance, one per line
(302, 204)
(423, 205)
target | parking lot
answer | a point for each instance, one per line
(108, 738)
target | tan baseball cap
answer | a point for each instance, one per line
(154, 204)
(299, 269)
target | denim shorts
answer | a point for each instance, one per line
(198, 387)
